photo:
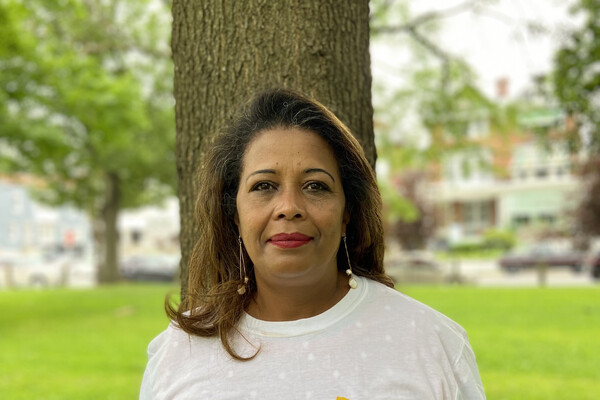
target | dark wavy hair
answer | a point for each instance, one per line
(211, 303)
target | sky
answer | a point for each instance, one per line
(496, 44)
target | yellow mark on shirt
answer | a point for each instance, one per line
(341, 398)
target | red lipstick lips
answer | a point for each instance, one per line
(289, 240)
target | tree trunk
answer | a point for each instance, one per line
(224, 51)
(108, 271)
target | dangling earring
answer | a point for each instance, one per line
(242, 287)
(352, 282)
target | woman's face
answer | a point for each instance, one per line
(291, 207)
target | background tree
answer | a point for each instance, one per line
(577, 76)
(414, 230)
(224, 51)
(86, 105)
(577, 87)
(587, 214)
(423, 121)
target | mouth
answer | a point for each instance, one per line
(289, 240)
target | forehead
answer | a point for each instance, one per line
(288, 147)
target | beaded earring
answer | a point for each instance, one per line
(351, 282)
(242, 287)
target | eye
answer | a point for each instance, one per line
(263, 187)
(315, 186)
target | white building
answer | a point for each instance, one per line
(509, 182)
(150, 229)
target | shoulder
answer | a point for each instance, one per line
(401, 304)
(174, 342)
(161, 341)
(393, 300)
(172, 355)
(398, 311)
(403, 331)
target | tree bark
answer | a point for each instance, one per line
(224, 51)
(108, 271)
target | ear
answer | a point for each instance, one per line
(236, 219)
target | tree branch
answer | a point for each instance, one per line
(412, 29)
(427, 17)
(444, 57)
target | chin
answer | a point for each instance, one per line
(294, 275)
(291, 272)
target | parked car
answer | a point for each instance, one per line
(33, 271)
(543, 255)
(595, 265)
(421, 269)
(163, 268)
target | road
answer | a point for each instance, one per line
(487, 273)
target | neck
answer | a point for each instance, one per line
(278, 303)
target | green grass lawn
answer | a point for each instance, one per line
(91, 344)
(77, 344)
(529, 343)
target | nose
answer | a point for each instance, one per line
(290, 206)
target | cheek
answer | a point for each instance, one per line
(249, 220)
(332, 218)
(242, 210)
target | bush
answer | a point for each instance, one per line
(466, 247)
(496, 239)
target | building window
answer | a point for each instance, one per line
(13, 233)
(520, 220)
(28, 236)
(477, 216)
(136, 236)
(560, 171)
(46, 234)
(547, 218)
(17, 202)
(478, 128)
(541, 172)
(522, 174)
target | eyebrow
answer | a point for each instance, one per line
(307, 171)
(311, 170)
(261, 171)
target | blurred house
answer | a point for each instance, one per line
(34, 236)
(506, 180)
(150, 229)
(27, 226)
(41, 245)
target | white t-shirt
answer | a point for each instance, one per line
(375, 343)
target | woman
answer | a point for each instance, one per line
(287, 294)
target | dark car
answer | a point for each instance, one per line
(595, 265)
(543, 256)
(150, 268)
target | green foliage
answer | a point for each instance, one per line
(387, 13)
(588, 212)
(577, 87)
(471, 253)
(499, 239)
(466, 247)
(413, 220)
(423, 121)
(493, 243)
(85, 92)
(397, 206)
(577, 75)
